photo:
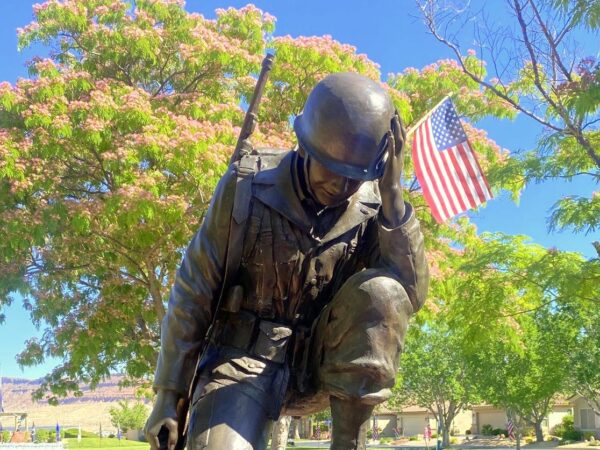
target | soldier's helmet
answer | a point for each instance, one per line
(344, 125)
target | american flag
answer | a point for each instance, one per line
(375, 432)
(510, 428)
(446, 166)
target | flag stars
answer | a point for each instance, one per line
(446, 128)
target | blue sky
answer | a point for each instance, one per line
(390, 32)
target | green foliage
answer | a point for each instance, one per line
(580, 213)
(589, 435)
(433, 368)
(515, 318)
(566, 429)
(128, 417)
(487, 430)
(579, 11)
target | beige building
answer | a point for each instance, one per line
(584, 417)
(411, 420)
(496, 417)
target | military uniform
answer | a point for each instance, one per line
(325, 295)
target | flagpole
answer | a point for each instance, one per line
(412, 129)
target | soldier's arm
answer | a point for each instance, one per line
(193, 295)
(398, 242)
(401, 249)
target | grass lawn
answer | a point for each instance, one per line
(92, 443)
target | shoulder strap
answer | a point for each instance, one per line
(248, 166)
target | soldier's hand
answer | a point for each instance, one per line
(164, 414)
(390, 187)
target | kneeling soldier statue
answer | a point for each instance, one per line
(296, 292)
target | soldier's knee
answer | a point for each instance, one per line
(364, 336)
(376, 290)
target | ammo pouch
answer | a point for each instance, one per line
(257, 337)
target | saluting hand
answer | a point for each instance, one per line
(390, 187)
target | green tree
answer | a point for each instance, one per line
(110, 152)
(585, 362)
(128, 417)
(434, 373)
(109, 156)
(520, 315)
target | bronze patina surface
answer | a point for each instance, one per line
(320, 264)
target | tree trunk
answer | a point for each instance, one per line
(539, 433)
(445, 436)
(518, 438)
(295, 425)
(280, 433)
(154, 288)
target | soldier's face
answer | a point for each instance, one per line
(329, 188)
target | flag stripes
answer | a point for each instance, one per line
(510, 428)
(445, 165)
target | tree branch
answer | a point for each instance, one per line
(430, 22)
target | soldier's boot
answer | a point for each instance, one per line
(350, 422)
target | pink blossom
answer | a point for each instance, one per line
(30, 28)
(268, 18)
(471, 52)
(40, 7)
(250, 8)
(101, 10)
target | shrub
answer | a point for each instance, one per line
(528, 431)
(573, 435)
(487, 430)
(589, 435)
(499, 431)
(529, 440)
(386, 440)
(468, 432)
(566, 430)
(5, 436)
(453, 440)
(41, 435)
(52, 436)
(128, 417)
(413, 438)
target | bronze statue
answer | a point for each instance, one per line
(306, 269)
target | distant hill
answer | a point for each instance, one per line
(90, 411)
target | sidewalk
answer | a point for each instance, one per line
(473, 444)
